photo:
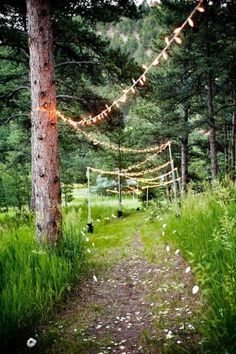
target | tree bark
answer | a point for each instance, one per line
(233, 151)
(184, 151)
(45, 161)
(212, 132)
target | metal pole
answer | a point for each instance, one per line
(173, 179)
(119, 197)
(90, 225)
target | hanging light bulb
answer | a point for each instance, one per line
(178, 40)
(167, 40)
(177, 30)
(201, 9)
(156, 61)
(165, 55)
(190, 22)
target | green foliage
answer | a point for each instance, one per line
(33, 277)
(205, 234)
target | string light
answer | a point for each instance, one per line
(95, 141)
(160, 184)
(142, 79)
(131, 174)
(147, 180)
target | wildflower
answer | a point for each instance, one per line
(187, 270)
(167, 248)
(98, 326)
(31, 342)
(177, 252)
(195, 289)
(169, 335)
(164, 226)
(98, 220)
(163, 233)
(95, 278)
(178, 342)
(87, 239)
(88, 250)
(174, 231)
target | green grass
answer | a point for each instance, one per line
(33, 277)
(206, 234)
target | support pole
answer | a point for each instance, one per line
(119, 197)
(89, 224)
(173, 179)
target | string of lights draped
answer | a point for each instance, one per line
(131, 174)
(141, 80)
(155, 149)
(147, 180)
(160, 184)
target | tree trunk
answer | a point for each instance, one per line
(212, 132)
(184, 150)
(45, 162)
(233, 151)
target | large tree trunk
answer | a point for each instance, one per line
(45, 162)
(212, 132)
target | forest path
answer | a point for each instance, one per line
(140, 300)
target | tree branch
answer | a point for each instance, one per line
(8, 95)
(73, 63)
(2, 122)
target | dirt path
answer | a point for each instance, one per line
(133, 306)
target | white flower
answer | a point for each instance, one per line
(98, 220)
(187, 270)
(87, 239)
(31, 342)
(167, 248)
(178, 342)
(195, 289)
(177, 252)
(88, 250)
(164, 226)
(163, 233)
(98, 326)
(174, 231)
(169, 335)
(95, 278)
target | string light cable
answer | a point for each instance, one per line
(155, 149)
(161, 184)
(163, 55)
(147, 180)
(131, 174)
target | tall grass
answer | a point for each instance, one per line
(34, 277)
(206, 235)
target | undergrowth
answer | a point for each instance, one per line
(206, 235)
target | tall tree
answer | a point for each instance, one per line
(45, 162)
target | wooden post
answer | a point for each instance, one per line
(119, 197)
(89, 224)
(173, 179)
